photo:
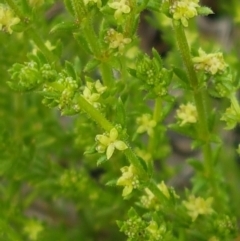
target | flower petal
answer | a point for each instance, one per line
(127, 190)
(113, 134)
(120, 145)
(104, 140)
(110, 150)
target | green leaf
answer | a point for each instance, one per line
(68, 26)
(197, 144)
(204, 11)
(154, 5)
(26, 8)
(181, 74)
(102, 160)
(91, 65)
(111, 183)
(212, 120)
(132, 213)
(157, 56)
(82, 42)
(214, 138)
(91, 150)
(70, 69)
(216, 153)
(20, 27)
(132, 72)
(69, 6)
(196, 164)
(120, 113)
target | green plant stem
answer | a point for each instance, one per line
(156, 117)
(198, 95)
(79, 9)
(107, 74)
(32, 33)
(107, 126)
(235, 104)
(95, 114)
(87, 27)
(91, 38)
(130, 26)
(131, 156)
(157, 109)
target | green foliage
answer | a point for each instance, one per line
(88, 122)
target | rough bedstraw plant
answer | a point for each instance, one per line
(102, 172)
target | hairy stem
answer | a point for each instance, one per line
(129, 153)
(203, 131)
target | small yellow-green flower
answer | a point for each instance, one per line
(32, 229)
(99, 87)
(7, 19)
(109, 142)
(116, 40)
(198, 206)
(121, 6)
(155, 231)
(146, 124)
(92, 93)
(92, 98)
(163, 188)
(49, 45)
(187, 114)
(210, 63)
(231, 117)
(129, 180)
(184, 9)
(149, 200)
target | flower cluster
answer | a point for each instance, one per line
(121, 7)
(116, 40)
(146, 124)
(198, 206)
(187, 114)
(108, 142)
(139, 228)
(62, 93)
(129, 180)
(225, 226)
(7, 19)
(149, 201)
(183, 10)
(231, 117)
(134, 227)
(92, 93)
(210, 63)
(154, 77)
(155, 232)
(25, 76)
